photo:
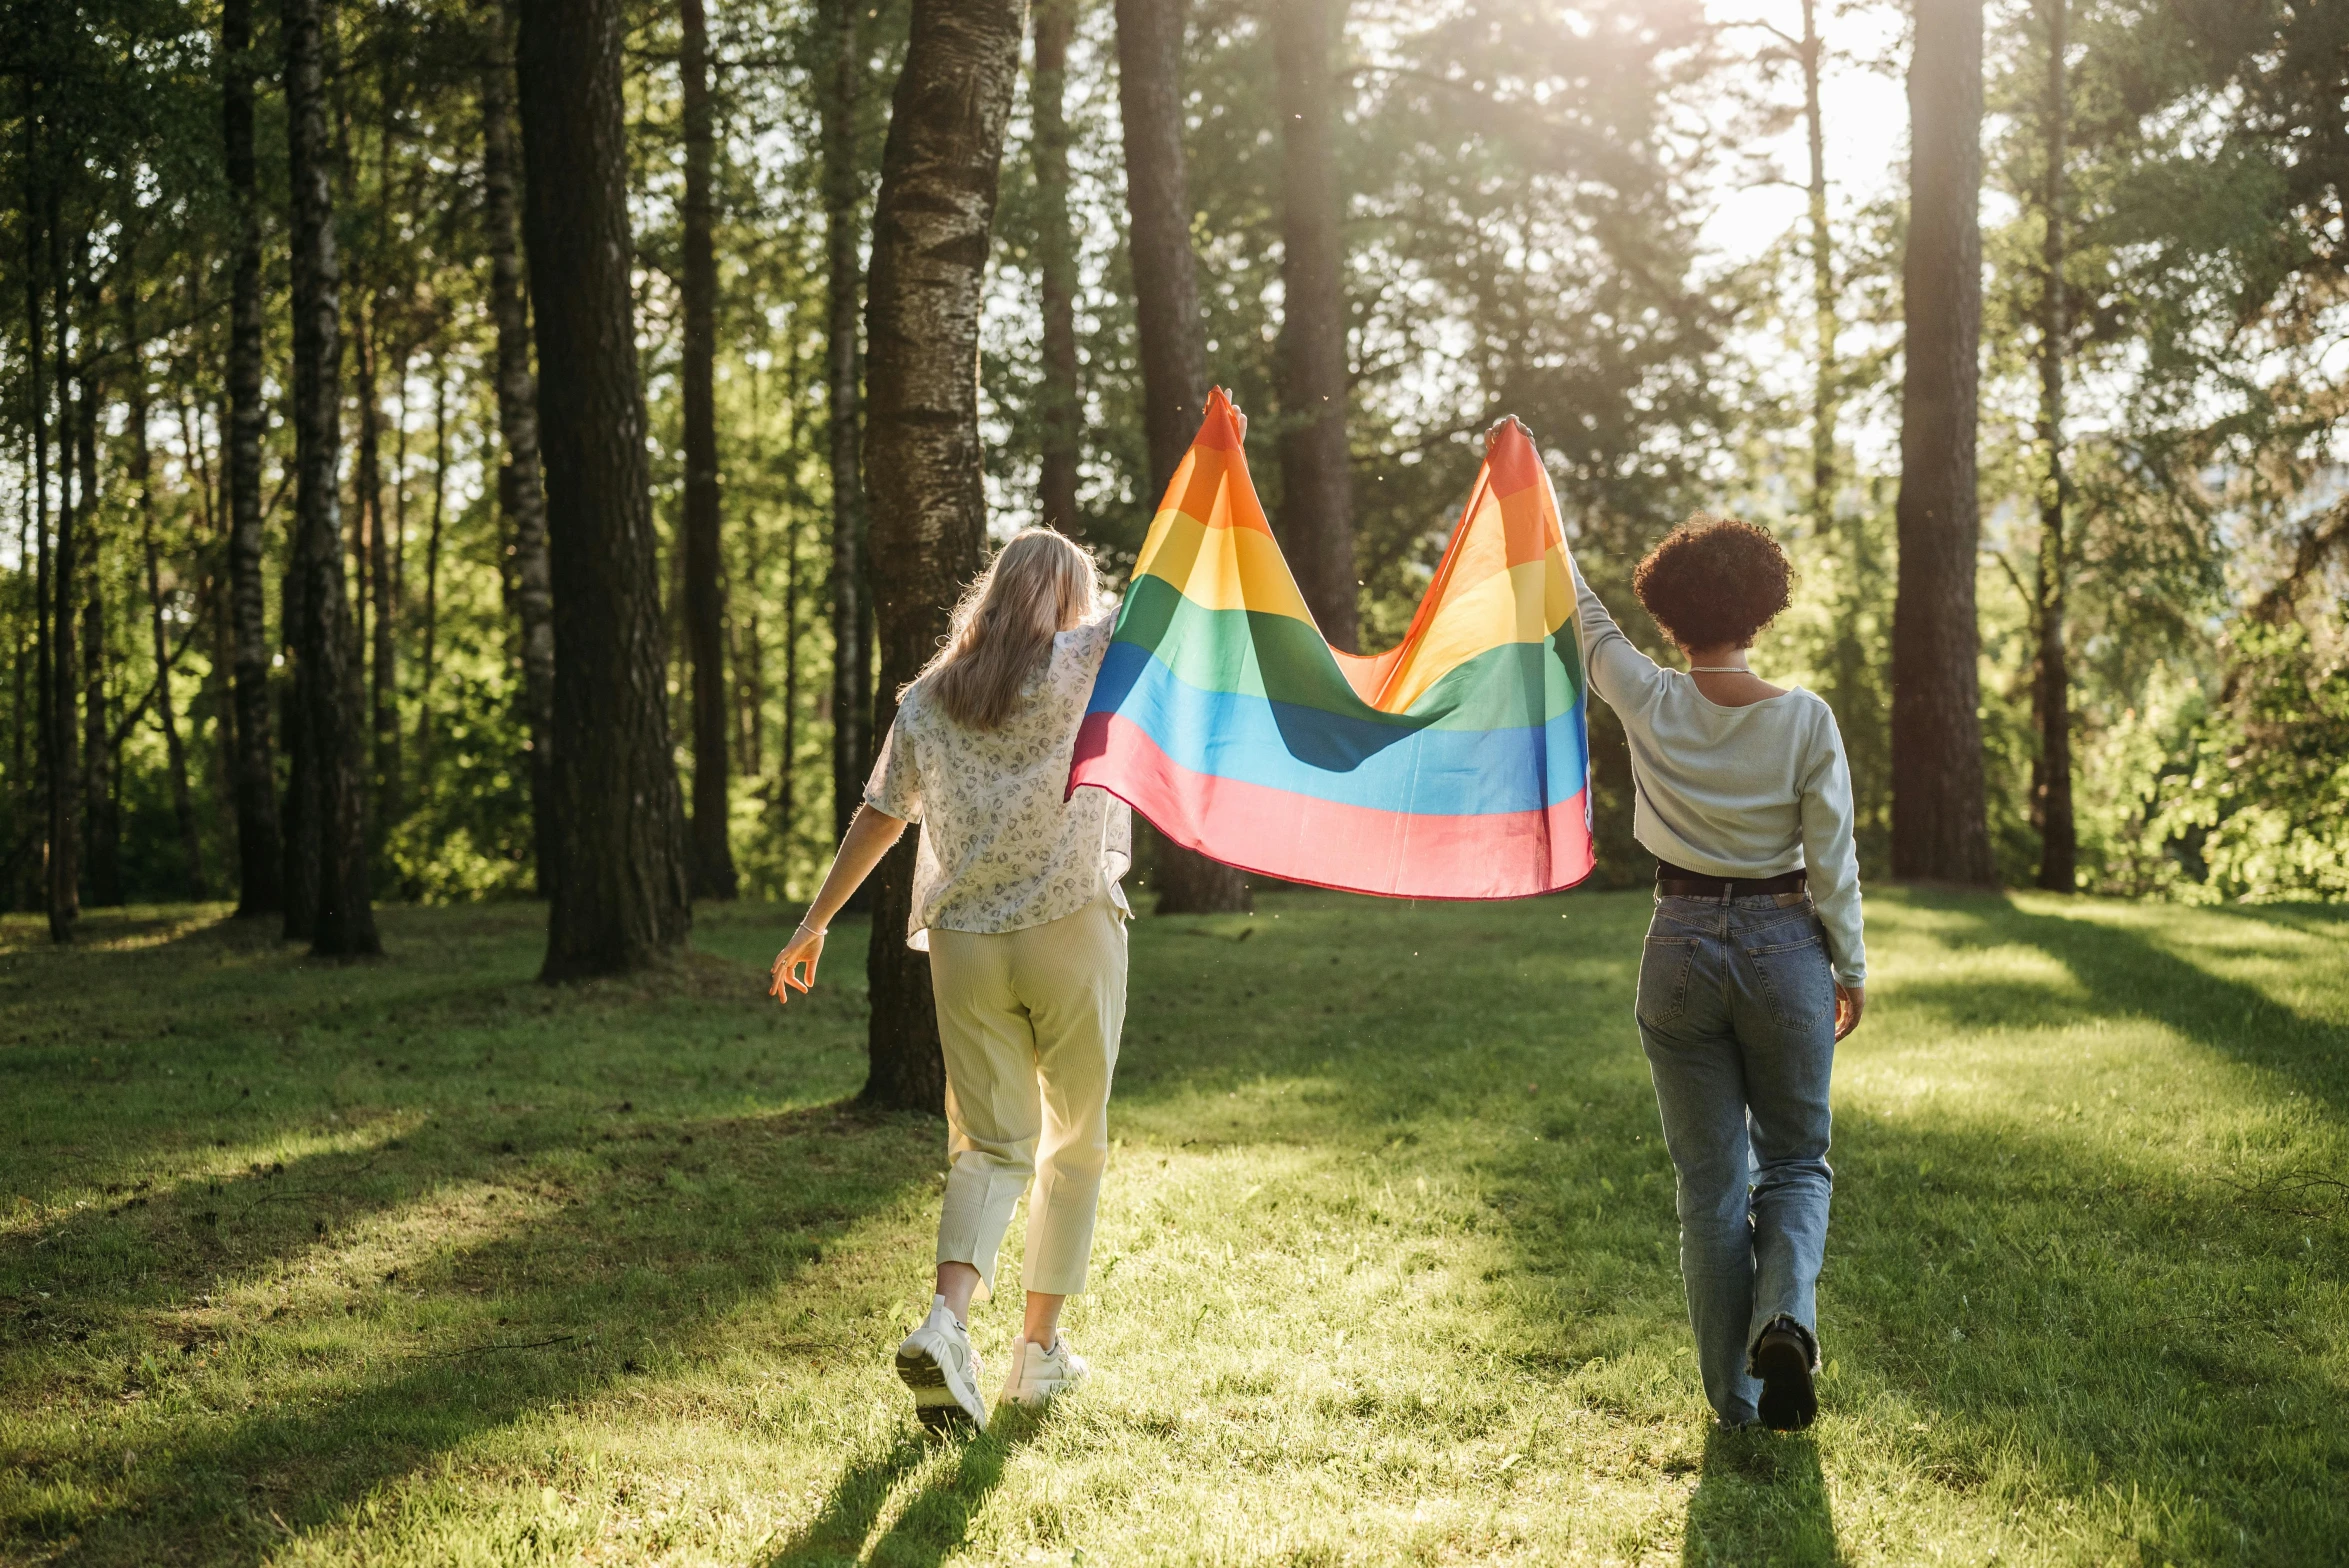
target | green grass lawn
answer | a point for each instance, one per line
(422, 1262)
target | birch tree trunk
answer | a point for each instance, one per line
(521, 491)
(260, 851)
(175, 753)
(931, 228)
(1172, 335)
(64, 884)
(330, 845)
(619, 900)
(1060, 414)
(101, 808)
(1940, 828)
(841, 88)
(2051, 796)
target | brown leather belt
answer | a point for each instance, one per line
(1673, 882)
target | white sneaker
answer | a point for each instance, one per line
(1037, 1373)
(938, 1364)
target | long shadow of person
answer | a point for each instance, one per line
(935, 1520)
(1760, 1499)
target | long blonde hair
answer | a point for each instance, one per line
(1039, 584)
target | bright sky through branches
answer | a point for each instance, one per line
(1863, 107)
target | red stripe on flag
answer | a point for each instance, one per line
(1272, 832)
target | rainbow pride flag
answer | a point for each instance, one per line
(1454, 765)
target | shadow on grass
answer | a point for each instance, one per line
(2128, 974)
(1760, 1499)
(936, 1519)
(644, 1262)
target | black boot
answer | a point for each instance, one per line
(1782, 1360)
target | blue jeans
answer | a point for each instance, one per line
(1737, 1014)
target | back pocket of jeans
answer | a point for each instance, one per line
(1797, 980)
(1664, 964)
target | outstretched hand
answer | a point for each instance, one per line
(805, 948)
(1493, 433)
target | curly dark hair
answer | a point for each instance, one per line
(1714, 580)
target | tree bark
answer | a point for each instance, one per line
(1060, 417)
(1172, 334)
(427, 666)
(36, 209)
(931, 227)
(705, 587)
(101, 806)
(619, 899)
(1940, 828)
(2051, 795)
(521, 489)
(260, 852)
(1316, 519)
(183, 807)
(329, 762)
(377, 594)
(64, 885)
(852, 624)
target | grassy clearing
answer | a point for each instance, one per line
(422, 1262)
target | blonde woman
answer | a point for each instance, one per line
(1016, 899)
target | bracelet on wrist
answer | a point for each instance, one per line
(814, 930)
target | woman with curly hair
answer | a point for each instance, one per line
(1754, 962)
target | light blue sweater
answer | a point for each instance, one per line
(1733, 792)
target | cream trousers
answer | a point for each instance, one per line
(1030, 1022)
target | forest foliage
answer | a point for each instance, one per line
(1526, 189)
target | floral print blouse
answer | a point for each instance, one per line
(1001, 848)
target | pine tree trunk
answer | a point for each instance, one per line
(2052, 693)
(841, 88)
(329, 760)
(931, 227)
(1060, 416)
(1940, 828)
(619, 899)
(260, 851)
(1316, 521)
(1172, 334)
(705, 587)
(521, 490)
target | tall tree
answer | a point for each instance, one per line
(373, 561)
(521, 492)
(260, 854)
(840, 78)
(64, 772)
(705, 588)
(1056, 254)
(327, 856)
(427, 663)
(2051, 706)
(1940, 828)
(618, 894)
(1172, 335)
(1317, 493)
(931, 227)
(141, 475)
(101, 807)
